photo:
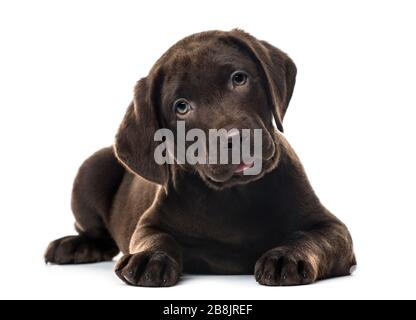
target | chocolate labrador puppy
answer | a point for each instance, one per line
(207, 219)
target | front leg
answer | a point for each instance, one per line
(155, 259)
(322, 252)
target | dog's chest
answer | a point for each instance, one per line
(227, 220)
(227, 238)
(226, 231)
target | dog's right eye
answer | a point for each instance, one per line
(182, 107)
(239, 78)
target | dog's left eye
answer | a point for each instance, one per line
(182, 107)
(239, 78)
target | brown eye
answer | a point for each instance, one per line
(239, 78)
(182, 107)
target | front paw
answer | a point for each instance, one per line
(286, 267)
(148, 269)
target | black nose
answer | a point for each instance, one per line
(232, 137)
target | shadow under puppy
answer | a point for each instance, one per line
(170, 219)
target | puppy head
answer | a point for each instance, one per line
(212, 80)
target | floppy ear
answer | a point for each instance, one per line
(279, 71)
(135, 144)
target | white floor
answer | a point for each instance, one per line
(99, 282)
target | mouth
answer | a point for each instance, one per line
(224, 176)
(236, 176)
(243, 167)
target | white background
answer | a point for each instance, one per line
(67, 69)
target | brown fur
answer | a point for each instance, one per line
(172, 219)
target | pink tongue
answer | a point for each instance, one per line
(242, 166)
